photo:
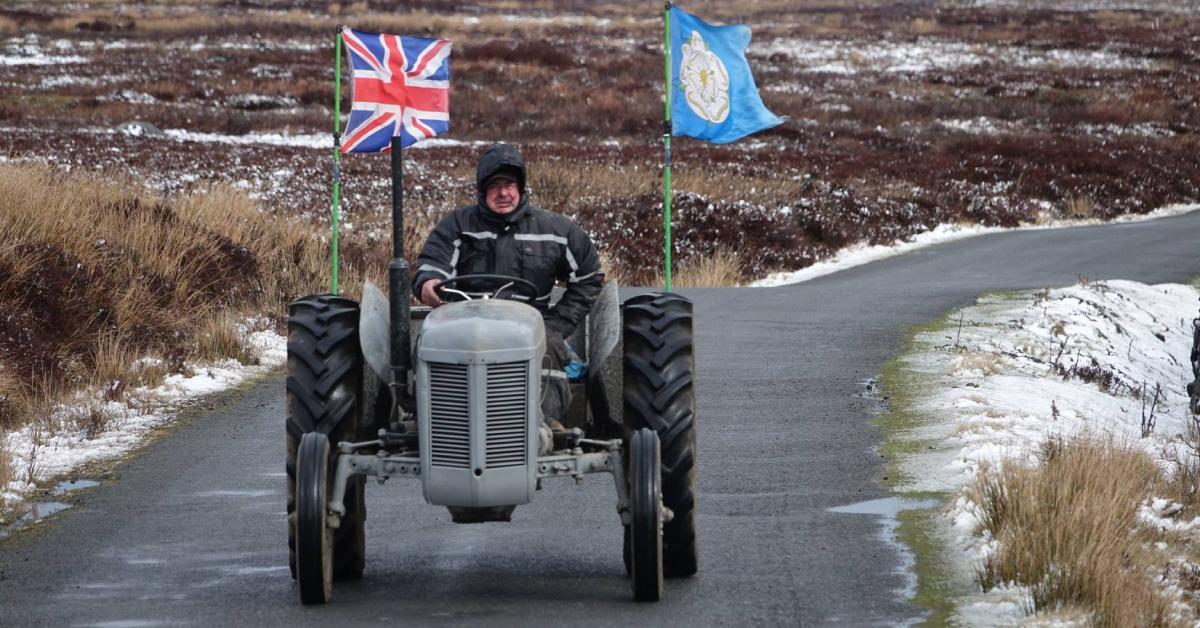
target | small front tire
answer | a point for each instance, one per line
(645, 530)
(314, 539)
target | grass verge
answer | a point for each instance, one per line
(938, 583)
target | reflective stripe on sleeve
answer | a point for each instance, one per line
(436, 270)
(555, 373)
(540, 237)
(574, 279)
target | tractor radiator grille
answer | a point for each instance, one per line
(506, 414)
(449, 416)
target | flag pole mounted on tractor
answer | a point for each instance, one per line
(337, 150)
(398, 287)
(667, 149)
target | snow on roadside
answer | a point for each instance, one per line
(1095, 359)
(859, 254)
(39, 455)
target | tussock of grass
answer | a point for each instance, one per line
(722, 269)
(1080, 207)
(1066, 529)
(219, 339)
(90, 418)
(113, 365)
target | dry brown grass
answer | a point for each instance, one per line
(7, 472)
(14, 395)
(722, 269)
(112, 366)
(1066, 529)
(95, 274)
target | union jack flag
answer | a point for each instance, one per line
(401, 87)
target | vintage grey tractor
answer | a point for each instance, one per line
(449, 398)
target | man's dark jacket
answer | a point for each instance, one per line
(529, 243)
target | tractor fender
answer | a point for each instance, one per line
(373, 331)
(605, 370)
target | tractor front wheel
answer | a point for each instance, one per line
(314, 551)
(645, 529)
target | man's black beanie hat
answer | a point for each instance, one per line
(500, 160)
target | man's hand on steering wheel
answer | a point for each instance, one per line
(429, 293)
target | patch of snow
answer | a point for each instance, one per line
(40, 59)
(859, 254)
(260, 101)
(50, 82)
(270, 71)
(129, 95)
(981, 125)
(305, 140)
(1141, 129)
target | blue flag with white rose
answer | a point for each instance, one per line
(713, 96)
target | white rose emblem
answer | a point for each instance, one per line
(704, 81)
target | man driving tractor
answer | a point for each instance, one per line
(504, 234)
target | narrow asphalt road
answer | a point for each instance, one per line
(191, 532)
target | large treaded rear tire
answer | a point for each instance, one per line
(660, 394)
(324, 390)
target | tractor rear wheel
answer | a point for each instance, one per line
(324, 385)
(659, 394)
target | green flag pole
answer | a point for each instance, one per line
(667, 149)
(337, 151)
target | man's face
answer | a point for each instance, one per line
(502, 195)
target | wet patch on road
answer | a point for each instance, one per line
(34, 512)
(888, 510)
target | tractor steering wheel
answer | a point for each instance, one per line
(493, 286)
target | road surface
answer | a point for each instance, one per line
(191, 532)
